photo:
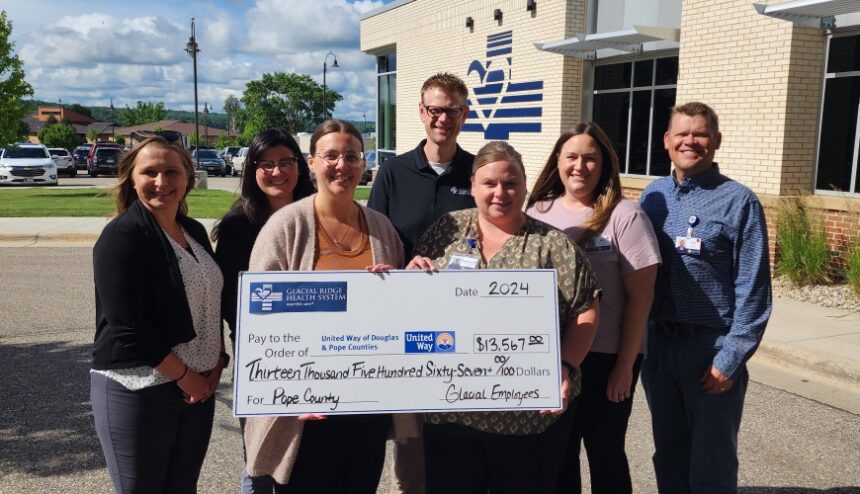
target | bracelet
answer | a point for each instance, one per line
(183, 374)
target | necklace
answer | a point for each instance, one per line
(339, 242)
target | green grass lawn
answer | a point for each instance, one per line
(35, 202)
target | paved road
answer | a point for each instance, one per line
(789, 444)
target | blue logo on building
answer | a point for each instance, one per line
(498, 99)
(429, 342)
(307, 296)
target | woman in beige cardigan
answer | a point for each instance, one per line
(326, 231)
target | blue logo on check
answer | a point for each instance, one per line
(305, 296)
(429, 342)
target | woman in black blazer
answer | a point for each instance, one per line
(159, 350)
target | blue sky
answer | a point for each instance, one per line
(91, 51)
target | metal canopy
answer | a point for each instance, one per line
(630, 40)
(811, 13)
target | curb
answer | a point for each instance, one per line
(826, 366)
(52, 238)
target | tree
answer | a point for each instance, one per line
(83, 110)
(143, 113)
(231, 107)
(13, 87)
(92, 135)
(59, 135)
(223, 141)
(119, 139)
(292, 102)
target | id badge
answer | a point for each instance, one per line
(599, 244)
(688, 245)
(463, 261)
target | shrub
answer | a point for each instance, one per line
(802, 242)
(852, 266)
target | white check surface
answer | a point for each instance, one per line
(407, 341)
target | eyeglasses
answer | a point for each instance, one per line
(437, 111)
(283, 164)
(351, 158)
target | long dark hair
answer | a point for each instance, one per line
(252, 201)
(607, 192)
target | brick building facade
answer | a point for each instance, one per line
(783, 76)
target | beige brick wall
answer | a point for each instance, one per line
(430, 36)
(763, 77)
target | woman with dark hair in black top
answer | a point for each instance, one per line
(275, 175)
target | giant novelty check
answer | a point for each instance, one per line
(354, 342)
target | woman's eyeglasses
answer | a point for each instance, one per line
(351, 158)
(283, 164)
(167, 135)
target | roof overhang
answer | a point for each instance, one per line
(811, 13)
(627, 40)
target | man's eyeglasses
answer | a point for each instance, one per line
(437, 111)
(351, 158)
(283, 164)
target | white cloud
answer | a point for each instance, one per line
(138, 53)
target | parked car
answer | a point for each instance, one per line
(80, 155)
(64, 161)
(106, 160)
(27, 164)
(209, 161)
(100, 145)
(228, 153)
(239, 161)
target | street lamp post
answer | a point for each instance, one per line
(192, 49)
(205, 125)
(364, 129)
(325, 67)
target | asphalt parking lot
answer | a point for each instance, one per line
(788, 445)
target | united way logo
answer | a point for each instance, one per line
(429, 342)
(499, 105)
(305, 296)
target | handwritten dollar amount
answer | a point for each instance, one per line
(511, 343)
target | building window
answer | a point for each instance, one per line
(386, 107)
(838, 136)
(632, 102)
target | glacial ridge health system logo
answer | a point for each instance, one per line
(302, 296)
(499, 105)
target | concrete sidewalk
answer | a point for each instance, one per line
(818, 347)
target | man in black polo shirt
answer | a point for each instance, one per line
(417, 187)
(414, 189)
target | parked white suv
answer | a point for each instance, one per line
(239, 161)
(64, 161)
(27, 164)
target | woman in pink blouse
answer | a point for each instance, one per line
(579, 192)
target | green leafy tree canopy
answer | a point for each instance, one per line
(142, 113)
(292, 102)
(59, 135)
(13, 87)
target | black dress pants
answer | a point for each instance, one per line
(152, 440)
(343, 454)
(462, 460)
(602, 426)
